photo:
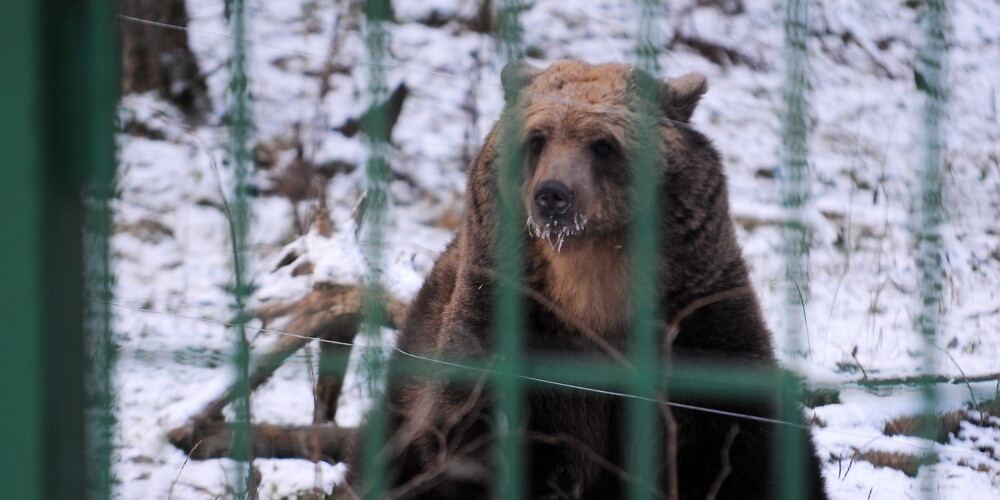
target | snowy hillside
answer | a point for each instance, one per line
(172, 255)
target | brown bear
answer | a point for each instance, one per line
(576, 129)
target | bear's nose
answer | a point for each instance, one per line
(552, 198)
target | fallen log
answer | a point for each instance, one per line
(330, 312)
(321, 442)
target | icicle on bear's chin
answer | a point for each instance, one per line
(554, 232)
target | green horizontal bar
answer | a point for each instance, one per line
(721, 381)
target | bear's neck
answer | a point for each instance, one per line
(587, 280)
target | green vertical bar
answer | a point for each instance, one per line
(932, 81)
(78, 89)
(100, 94)
(21, 363)
(239, 213)
(645, 239)
(64, 154)
(795, 172)
(795, 186)
(509, 307)
(376, 204)
(57, 95)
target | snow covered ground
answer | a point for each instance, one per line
(172, 257)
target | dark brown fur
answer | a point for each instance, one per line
(578, 302)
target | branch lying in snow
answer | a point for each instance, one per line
(926, 379)
(717, 53)
(326, 442)
(329, 312)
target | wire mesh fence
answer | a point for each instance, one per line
(641, 378)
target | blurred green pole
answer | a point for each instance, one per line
(795, 171)
(57, 93)
(509, 305)
(795, 185)
(645, 241)
(239, 212)
(22, 364)
(373, 225)
(932, 82)
(101, 95)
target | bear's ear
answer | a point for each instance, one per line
(515, 76)
(681, 95)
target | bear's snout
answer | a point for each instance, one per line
(552, 199)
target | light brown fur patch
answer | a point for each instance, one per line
(554, 98)
(588, 281)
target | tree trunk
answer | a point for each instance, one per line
(157, 57)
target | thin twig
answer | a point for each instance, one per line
(673, 477)
(726, 466)
(805, 319)
(960, 370)
(187, 458)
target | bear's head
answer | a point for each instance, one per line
(577, 130)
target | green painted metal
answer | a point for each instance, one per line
(645, 348)
(101, 95)
(795, 168)
(77, 111)
(510, 401)
(723, 380)
(65, 142)
(795, 190)
(57, 90)
(930, 214)
(373, 224)
(238, 211)
(21, 127)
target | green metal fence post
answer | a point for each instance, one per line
(376, 204)
(239, 215)
(930, 215)
(57, 91)
(509, 307)
(795, 185)
(645, 349)
(101, 97)
(21, 362)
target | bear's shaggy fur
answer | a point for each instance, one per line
(577, 128)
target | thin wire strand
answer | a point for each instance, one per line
(933, 447)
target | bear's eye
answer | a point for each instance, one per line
(602, 148)
(536, 143)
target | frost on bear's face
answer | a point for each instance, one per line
(575, 174)
(576, 129)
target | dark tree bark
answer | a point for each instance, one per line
(157, 57)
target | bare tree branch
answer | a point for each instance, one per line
(726, 466)
(274, 441)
